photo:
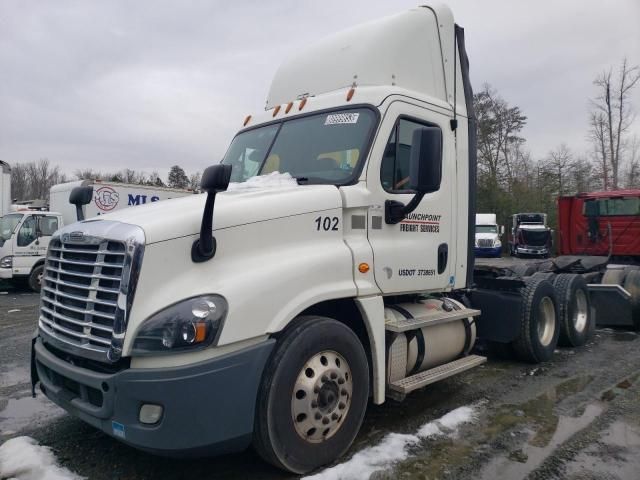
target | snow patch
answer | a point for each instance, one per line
(21, 458)
(394, 447)
(271, 180)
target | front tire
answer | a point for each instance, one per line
(35, 278)
(313, 395)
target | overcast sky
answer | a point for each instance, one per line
(147, 84)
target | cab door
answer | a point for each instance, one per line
(31, 241)
(416, 254)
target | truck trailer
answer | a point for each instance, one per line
(26, 232)
(340, 267)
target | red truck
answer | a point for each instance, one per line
(601, 223)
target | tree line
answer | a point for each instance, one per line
(33, 180)
(509, 180)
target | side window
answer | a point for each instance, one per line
(48, 225)
(27, 233)
(394, 171)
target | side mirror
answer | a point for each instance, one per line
(425, 160)
(501, 229)
(214, 179)
(425, 172)
(80, 196)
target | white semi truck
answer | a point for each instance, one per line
(25, 233)
(270, 315)
(488, 234)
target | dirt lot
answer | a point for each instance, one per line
(576, 417)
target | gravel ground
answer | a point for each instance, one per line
(575, 417)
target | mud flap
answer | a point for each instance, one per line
(612, 304)
(34, 371)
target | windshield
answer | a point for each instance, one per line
(320, 148)
(535, 238)
(8, 224)
(486, 229)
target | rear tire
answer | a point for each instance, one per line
(313, 395)
(35, 278)
(574, 310)
(538, 324)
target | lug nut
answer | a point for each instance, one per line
(340, 381)
(334, 416)
(314, 404)
(324, 379)
(325, 421)
(341, 405)
(318, 416)
(334, 375)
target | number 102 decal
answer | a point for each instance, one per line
(327, 223)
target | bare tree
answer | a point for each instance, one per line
(559, 162)
(611, 116)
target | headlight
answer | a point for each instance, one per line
(6, 262)
(187, 325)
(497, 243)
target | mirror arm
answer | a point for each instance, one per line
(79, 213)
(395, 212)
(204, 247)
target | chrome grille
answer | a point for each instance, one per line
(80, 288)
(485, 242)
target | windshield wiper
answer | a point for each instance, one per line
(301, 180)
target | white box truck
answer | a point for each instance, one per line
(488, 234)
(270, 314)
(25, 234)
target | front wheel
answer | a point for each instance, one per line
(313, 395)
(35, 278)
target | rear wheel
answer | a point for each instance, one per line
(313, 395)
(538, 323)
(35, 278)
(574, 310)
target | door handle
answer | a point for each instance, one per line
(443, 257)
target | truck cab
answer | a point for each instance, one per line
(488, 234)
(24, 239)
(330, 261)
(530, 235)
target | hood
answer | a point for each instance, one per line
(486, 236)
(182, 216)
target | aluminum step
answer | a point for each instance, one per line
(431, 318)
(419, 380)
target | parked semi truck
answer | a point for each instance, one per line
(25, 233)
(269, 314)
(488, 232)
(530, 235)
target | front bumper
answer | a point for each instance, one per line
(532, 250)
(6, 273)
(208, 406)
(487, 251)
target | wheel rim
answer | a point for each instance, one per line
(546, 321)
(321, 396)
(39, 278)
(580, 311)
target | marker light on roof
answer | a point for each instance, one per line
(276, 110)
(246, 120)
(289, 105)
(303, 102)
(350, 93)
